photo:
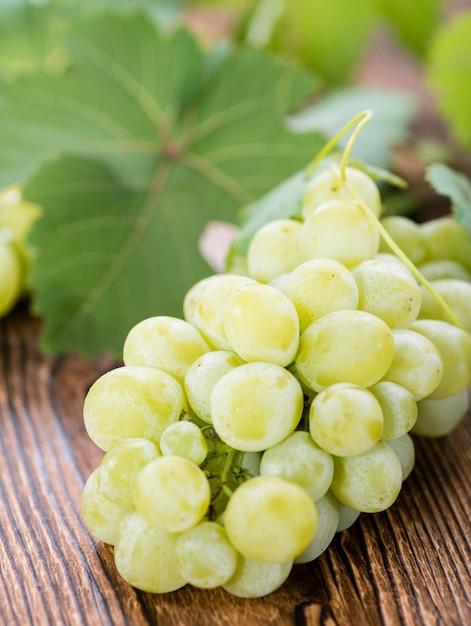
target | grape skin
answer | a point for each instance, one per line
(133, 401)
(270, 519)
(255, 406)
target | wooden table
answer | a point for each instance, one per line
(409, 565)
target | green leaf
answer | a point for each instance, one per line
(457, 187)
(449, 74)
(157, 147)
(393, 110)
(415, 24)
(32, 32)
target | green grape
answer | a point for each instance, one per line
(369, 482)
(256, 405)
(345, 419)
(454, 345)
(184, 439)
(270, 519)
(211, 306)
(439, 417)
(201, 377)
(445, 238)
(339, 230)
(11, 276)
(344, 346)
(261, 324)
(327, 523)
(327, 186)
(102, 517)
(407, 234)
(417, 364)
(172, 493)
(253, 579)
(319, 286)
(298, 459)
(166, 343)
(444, 268)
(120, 466)
(347, 515)
(457, 295)
(17, 217)
(388, 291)
(399, 408)
(145, 556)
(404, 448)
(132, 401)
(191, 298)
(274, 250)
(206, 558)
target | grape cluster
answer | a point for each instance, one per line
(16, 219)
(241, 438)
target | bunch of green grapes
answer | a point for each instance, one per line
(16, 219)
(239, 440)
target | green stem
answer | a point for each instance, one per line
(361, 119)
(402, 255)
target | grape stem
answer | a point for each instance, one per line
(360, 121)
(401, 255)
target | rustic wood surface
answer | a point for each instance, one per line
(409, 565)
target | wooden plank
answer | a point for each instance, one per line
(409, 565)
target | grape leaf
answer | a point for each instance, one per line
(449, 74)
(154, 146)
(457, 187)
(393, 114)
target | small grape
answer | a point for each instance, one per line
(405, 450)
(344, 346)
(102, 516)
(184, 439)
(399, 408)
(172, 493)
(319, 286)
(389, 291)
(454, 345)
(166, 343)
(261, 324)
(11, 277)
(270, 519)
(120, 467)
(298, 459)
(339, 230)
(457, 295)
(345, 419)
(327, 186)
(132, 401)
(369, 482)
(203, 374)
(208, 316)
(417, 364)
(205, 555)
(256, 405)
(407, 234)
(274, 250)
(145, 556)
(438, 417)
(253, 579)
(327, 524)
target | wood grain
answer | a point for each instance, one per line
(407, 566)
